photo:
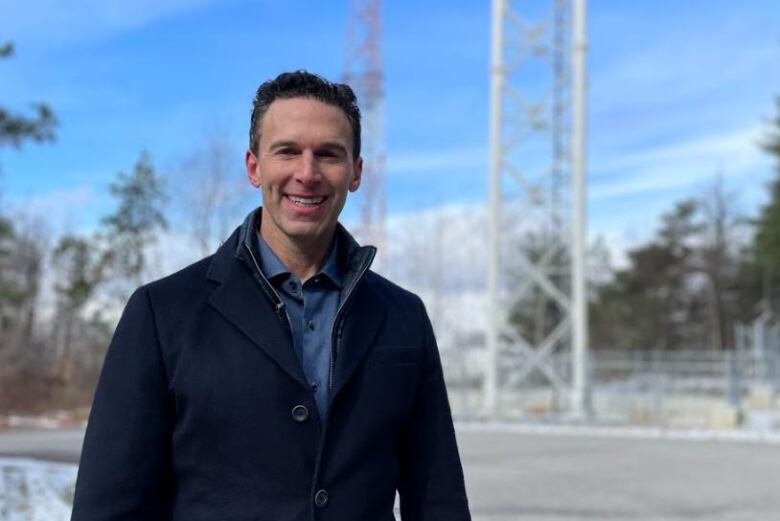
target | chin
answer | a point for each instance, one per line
(306, 231)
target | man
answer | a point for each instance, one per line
(279, 379)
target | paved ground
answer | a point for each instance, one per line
(513, 476)
(51, 445)
(552, 477)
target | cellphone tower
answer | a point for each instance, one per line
(537, 214)
(364, 72)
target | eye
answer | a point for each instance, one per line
(330, 154)
(287, 151)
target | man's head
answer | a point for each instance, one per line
(303, 84)
(305, 157)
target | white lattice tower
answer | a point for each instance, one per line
(537, 215)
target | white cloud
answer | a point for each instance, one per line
(64, 210)
(686, 164)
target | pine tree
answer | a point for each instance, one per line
(134, 226)
(16, 128)
(767, 238)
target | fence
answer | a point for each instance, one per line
(695, 388)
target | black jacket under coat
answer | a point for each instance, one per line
(193, 415)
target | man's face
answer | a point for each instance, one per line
(304, 167)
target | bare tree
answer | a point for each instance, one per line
(215, 192)
(732, 290)
(715, 260)
(79, 272)
(23, 254)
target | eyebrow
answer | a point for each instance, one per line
(327, 145)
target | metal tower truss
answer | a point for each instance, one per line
(364, 72)
(530, 277)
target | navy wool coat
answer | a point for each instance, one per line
(202, 412)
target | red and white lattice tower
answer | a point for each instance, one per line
(364, 72)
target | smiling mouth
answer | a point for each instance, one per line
(306, 202)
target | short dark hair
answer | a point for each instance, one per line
(303, 84)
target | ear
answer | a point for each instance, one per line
(252, 169)
(357, 172)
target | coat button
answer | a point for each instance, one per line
(300, 413)
(321, 498)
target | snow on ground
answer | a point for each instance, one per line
(35, 491)
(641, 432)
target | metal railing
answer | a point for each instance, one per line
(624, 376)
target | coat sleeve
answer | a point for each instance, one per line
(431, 486)
(125, 467)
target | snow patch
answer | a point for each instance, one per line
(36, 491)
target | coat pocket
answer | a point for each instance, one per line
(397, 355)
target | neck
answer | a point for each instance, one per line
(304, 258)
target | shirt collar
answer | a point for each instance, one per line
(270, 263)
(273, 267)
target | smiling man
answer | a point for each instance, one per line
(279, 379)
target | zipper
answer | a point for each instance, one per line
(276, 300)
(335, 334)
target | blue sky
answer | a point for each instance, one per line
(679, 91)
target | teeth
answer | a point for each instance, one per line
(307, 201)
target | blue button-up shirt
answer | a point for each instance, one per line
(312, 308)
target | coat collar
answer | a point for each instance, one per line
(246, 299)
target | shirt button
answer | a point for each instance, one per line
(314, 387)
(310, 325)
(300, 413)
(321, 498)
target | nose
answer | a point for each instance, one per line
(308, 172)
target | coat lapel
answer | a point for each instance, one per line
(241, 300)
(362, 324)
